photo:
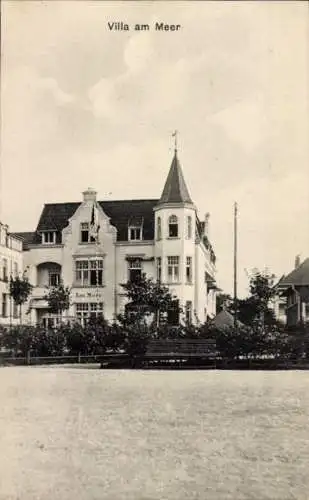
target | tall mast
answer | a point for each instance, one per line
(235, 263)
(97, 267)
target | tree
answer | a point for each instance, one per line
(20, 289)
(148, 297)
(255, 310)
(76, 340)
(261, 287)
(58, 298)
(223, 300)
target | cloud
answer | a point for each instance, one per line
(102, 98)
(245, 122)
(81, 102)
(30, 105)
(26, 82)
(139, 52)
(52, 87)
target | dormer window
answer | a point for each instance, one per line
(135, 233)
(173, 226)
(85, 236)
(49, 237)
(135, 229)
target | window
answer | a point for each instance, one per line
(85, 236)
(135, 233)
(5, 270)
(208, 278)
(281, 308)
(189, 269)
(15, 269)
(135, 228)
(159, 229)
(189, 227)
(4, 305)
(85, 310)
(188, 312)
(135, 270)
(159, 269)
(173, 269)
(49, 322)
(173, 226)
(48, 237)
(173, 314)
(15, 310)
(133, 311)
(89, 272)
(53, 278)
(292, 298)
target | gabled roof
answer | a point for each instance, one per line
(225, 318)
(175, 189)
(280, 281)
(55, 217)
(299, 276)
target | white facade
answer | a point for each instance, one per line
(95, 270)
(279, 305)
(11, 264)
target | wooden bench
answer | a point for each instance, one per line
(181, 350)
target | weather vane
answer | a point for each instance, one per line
(175, 139)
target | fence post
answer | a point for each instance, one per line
(28, 358)
(78, 357)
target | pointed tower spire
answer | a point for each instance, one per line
(175, 189)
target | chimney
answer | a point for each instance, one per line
(90, 195)
(206, 224)
(297, 261)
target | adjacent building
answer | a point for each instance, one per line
(11, 264)
(163, 238)
(292, 301)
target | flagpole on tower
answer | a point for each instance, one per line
(175, 135)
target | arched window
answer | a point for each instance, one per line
(189, 227)
(159, 229)
(173, 226)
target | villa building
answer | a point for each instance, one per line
(11, 264)
(163, 238)
(291, 305)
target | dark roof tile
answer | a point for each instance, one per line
(299, 276)
(175, 189)
(55, 216)
(27, 238)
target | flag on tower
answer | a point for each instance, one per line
(94, 223)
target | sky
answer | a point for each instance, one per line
(83, 106)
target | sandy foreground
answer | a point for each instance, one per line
(88, 434)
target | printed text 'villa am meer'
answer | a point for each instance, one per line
(158, 26)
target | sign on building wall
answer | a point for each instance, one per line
(88, 295)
